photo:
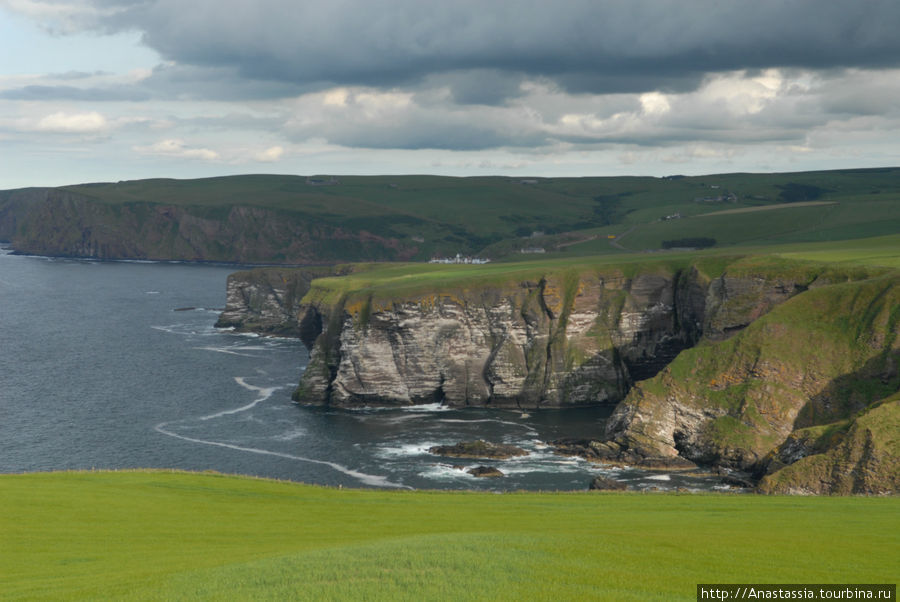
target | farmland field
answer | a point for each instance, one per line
(165, 535)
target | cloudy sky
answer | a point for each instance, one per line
(100, 90)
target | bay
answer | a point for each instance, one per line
(109, 365)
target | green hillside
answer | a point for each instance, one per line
(359, 218)
(178, 536)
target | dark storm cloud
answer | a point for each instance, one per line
(584, 45)
(189, 82)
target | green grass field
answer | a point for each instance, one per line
(388, 281)
(181, 536)
(495, 216)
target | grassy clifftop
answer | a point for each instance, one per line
(384, 283)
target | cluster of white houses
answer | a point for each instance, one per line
(458, 259)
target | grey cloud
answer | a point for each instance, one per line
(216, 83)
(437, 136)
(417, 128)
(479, 86)
(76, 75)
(585, 45)
(51, 93)
(623, 82)
(861, 94)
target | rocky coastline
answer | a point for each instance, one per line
(726, 370)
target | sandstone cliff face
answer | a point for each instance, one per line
(562, 340)
(57, 222)
(818, 358)
(767, 369)
(269, 301)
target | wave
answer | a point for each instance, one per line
(427, 407)
(367, 479)
(446, 472)
(226, 350)
(290, 435)
(404, 450)
(527, 427)
(264, 394)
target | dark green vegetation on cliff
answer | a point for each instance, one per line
(177, 536)
(298, 220)
(715, 359)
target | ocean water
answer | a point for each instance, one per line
(118, 365)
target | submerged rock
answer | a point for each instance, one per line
(606, 484)
(485, 471)
(478, 449)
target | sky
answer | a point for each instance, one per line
(108, 90)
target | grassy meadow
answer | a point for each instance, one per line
(497, 216)
(388, 281)
(188, 536)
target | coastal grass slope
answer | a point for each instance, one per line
(186, 536)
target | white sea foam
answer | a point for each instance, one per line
(446, 472)
(492, 420)
(290, 435)
(265, 393)
(520, 467)
(660, 477)
(185, 329)
(226, 350)
(367, 479)
(404, 450)
(427, 407)
(393, 419)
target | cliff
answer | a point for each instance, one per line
(790, 396)
(66, 223)
(269, 301)
(762, 365)
(860, 455)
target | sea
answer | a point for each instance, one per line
(118, 365)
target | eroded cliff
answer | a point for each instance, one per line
(553, 338)
(64, 223)
(821, 359)
(719, 362)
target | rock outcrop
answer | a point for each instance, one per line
(606, 484)
(478, 449)
(759, 401)
(485, 472)
(855, 456)
(269, 301)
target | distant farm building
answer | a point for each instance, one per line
(459, 259)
